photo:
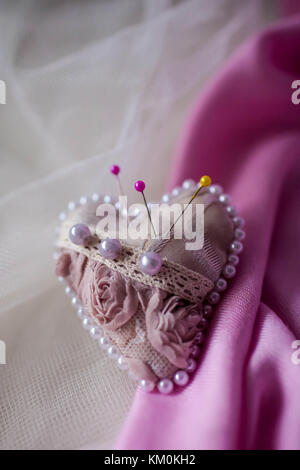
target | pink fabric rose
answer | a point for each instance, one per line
(71, 266)
(110, 297)
(172, 326)
(106, 294)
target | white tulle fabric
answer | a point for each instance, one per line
(89, 84)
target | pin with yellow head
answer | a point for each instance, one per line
(204, 182)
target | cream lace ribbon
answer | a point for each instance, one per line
(172, 278)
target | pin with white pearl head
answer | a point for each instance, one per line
(150, 262)
(80, 234)
(110, 248)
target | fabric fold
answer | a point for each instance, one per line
(245, 133)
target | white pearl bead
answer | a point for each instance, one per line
(239, 234)
(191, 365)
(107, 199)
(95, 332)
(71, 205)
(229, 271)
(195, 351)
(231, 210)
(181, 378)
(68, 291)
(83, 200)
(104, 342)
(113, 352)
(221, 285)
(86, 323)
(207, 310)
(238, 221)
(176, 191)
(61, 279)
(165, 198)
(122, 364)
(95, 197)
(62, 216)
(117, 205)
(55, 255)
(146, 385)
(233, 259)
(80, 313)
(165, 386)
(214, 297)
(215, 189)
(187, 184)
(224, 199)
(75, 302)
(236, 247)
(199, 338)
(136, 211)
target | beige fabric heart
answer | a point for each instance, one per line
(154, 321)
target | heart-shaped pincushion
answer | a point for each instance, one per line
(153, 325)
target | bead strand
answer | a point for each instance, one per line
(228, 272)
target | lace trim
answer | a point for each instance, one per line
(172, 278)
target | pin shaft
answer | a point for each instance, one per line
(149, 215)
(190, 201)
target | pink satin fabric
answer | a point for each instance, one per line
(245, 133)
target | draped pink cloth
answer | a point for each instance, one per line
(245, 133)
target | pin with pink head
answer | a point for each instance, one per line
(140, 187)
(115, 170)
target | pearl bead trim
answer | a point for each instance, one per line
(181, 377)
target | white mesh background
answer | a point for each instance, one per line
(89, 84)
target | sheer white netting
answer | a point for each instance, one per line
(88, 84)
